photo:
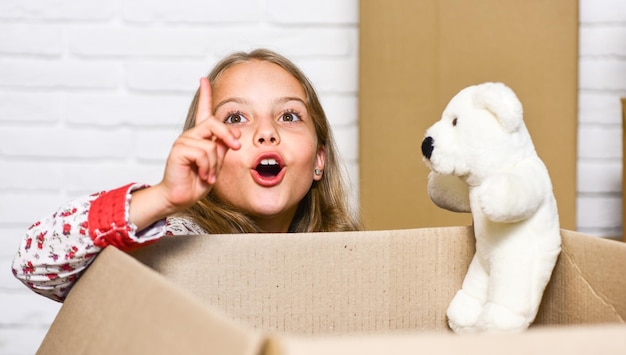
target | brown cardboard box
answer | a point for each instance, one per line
(415, 55)
(327, 293)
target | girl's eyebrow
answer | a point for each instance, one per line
(237, 100)
(290, 98)
(242, 101)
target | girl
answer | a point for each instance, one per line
(256, 155)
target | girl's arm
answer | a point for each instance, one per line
(58, 248)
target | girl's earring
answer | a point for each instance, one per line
(318, 172)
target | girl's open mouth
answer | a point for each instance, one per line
(269, 170)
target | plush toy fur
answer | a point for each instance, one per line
(483, 161)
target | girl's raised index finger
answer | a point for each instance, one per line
(205, 101)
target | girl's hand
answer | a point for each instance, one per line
(192, 167)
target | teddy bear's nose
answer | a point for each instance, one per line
(427, 147)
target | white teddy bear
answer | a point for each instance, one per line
(483, 161)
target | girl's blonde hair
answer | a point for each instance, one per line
(325, 207)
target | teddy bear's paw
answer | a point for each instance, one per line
(463, 313)
(497, 318)
(502, 200)
(496, 200)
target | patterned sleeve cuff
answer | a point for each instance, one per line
(109, 221)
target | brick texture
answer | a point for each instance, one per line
(602, 81)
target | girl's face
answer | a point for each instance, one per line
(274, 168)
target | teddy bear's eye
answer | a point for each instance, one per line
(454, 121)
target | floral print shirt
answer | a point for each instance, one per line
(57, 249)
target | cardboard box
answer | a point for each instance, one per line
(327, 293)
(414, 56)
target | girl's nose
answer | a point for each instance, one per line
(271, 140)
(266, 134)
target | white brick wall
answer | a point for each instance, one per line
(92, 93)
(602, 82)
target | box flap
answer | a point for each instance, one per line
(588, 284)
(120, 306)
(322, 282)
(570, 340)
(373, 281)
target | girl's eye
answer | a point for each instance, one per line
(235, 118)
(290, 117)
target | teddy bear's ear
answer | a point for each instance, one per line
(502, 102)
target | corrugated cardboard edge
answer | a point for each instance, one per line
(588, 283)
(182, 325)
(607, 282)
(606, 339)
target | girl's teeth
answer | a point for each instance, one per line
(269, 162)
